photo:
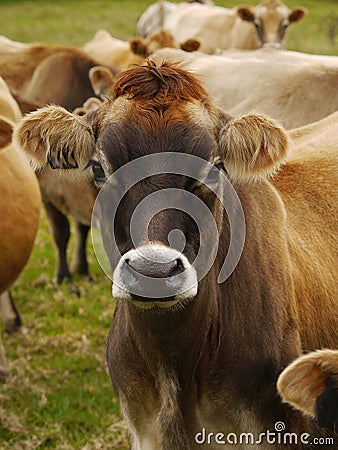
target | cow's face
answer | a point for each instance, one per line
(271, 19)
(165, 150)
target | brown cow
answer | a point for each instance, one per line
(20, 204)
(196, 358)
(42, 74)
(64, 199)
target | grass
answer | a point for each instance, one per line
(74, 22)
(59, 394)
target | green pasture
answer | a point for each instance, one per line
(59, 394)
(74, 22)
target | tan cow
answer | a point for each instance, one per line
(63, 200)
(310, 384)
(41, 74)
(112, 52)
(292, 87)
(220, 28)
(20, 204)
(192, 355)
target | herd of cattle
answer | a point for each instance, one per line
(208, 81)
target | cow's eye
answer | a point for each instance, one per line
(98, 172)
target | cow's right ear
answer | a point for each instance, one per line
(55, 136)
(253, 146)
(246, 13)
(102, 81)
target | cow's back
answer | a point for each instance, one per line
(19, 211)
(211, 25)
(308, 187)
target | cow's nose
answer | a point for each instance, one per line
(154, 272)
(153, 269)
(273, 45)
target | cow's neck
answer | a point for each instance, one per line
(174, 339)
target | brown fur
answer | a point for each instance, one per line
(44, 74)
(20, 204)
(170, 84)
(213, 360)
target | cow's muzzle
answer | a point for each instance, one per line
(154, 275)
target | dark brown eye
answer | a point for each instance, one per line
(98, 172)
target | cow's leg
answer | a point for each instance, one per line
(9, 313)
(4, 368)
(61, 233)
(80, 263)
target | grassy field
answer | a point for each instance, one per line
(59, 394)
(74, 22)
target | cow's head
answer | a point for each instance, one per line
(271, 19)
(162, 39)
(156, 119)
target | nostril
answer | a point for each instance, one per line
(178, 267)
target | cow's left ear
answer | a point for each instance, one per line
(253, 146)
(306, 378)
(246, 13)
(297, 14)
(55, 136)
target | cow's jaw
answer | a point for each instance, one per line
(153, 276)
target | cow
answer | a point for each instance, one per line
(63, 200)
(61, 77)
(294, 88)
(310, 383)
(42, 74)
(152, 20)
(20, 204)
(119, 54)
(221, 28)
(196, 358)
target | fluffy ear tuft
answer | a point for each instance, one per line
(305, 379)
(6, 131)
(253, 146)
(54, 135)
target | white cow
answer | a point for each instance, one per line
(221, 28)
(292, 87)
